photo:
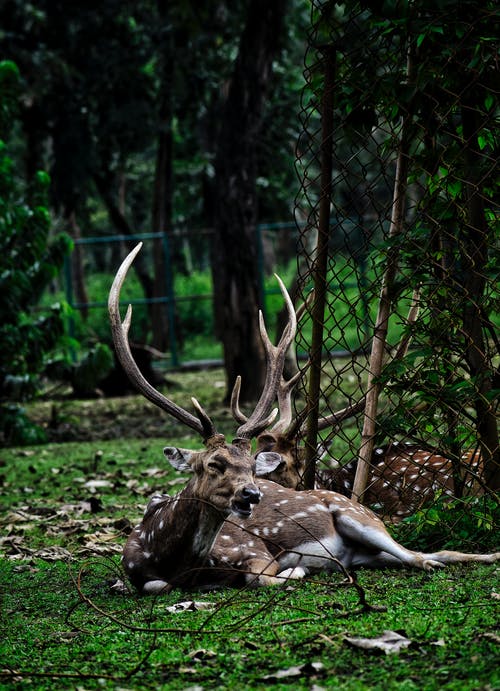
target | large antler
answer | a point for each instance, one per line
(201, 424)
(261, 416)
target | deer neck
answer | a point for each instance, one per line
(184, 529)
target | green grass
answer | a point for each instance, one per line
(65, 512)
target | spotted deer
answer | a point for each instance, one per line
(228, 527)
(176, 533)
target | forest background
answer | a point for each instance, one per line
(150, 117)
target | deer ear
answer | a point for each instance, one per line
(266, 462)
(180, 459)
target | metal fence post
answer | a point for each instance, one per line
(170, 301)
(68, 280)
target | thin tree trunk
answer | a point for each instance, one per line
(162, 198)
(122, 226)
(384, 310)
(234, 251)
(320, 269)
(79, 287)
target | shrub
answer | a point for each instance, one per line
(28, 262)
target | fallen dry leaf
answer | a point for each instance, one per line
(389, 642)
(306, 670)
(190, 606)
(202, 654)
(489, 635)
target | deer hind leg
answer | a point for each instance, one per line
(448, 557)
(371, 545)
(378, 549)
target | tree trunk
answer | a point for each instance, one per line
(162, 197)
(234, 251)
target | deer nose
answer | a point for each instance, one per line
(251, 493)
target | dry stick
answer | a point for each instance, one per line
(381, 324)
(318, 309)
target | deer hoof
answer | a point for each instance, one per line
(431, 564)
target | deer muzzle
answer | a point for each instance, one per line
(244, 499)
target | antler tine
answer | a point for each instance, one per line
(285, 404)
(287, 424)
(201, 424)
(275, 360)
(236, 412)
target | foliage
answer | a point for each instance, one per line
(9, 89)
(96, 90)
(28, 262)
(472, 520)
(410, 86)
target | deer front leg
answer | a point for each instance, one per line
(242, 551)
(261, 571)
(138, 565)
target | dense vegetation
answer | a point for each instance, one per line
(28, 262)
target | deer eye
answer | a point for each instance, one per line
(218, 465)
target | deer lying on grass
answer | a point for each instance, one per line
(235, 525)
(403, 477)
(176, 534)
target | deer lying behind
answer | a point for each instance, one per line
(238, 527)
(403, 477)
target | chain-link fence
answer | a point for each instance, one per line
(398, 217)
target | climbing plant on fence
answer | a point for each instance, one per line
(399, 192)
